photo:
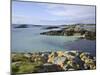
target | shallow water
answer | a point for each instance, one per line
(30, 40)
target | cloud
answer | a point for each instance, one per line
(73, 12)
(55, 13)
(70, 10)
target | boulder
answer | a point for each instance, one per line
(59, 60)
(90, 35)
(27, 55)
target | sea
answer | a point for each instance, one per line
(30, 40)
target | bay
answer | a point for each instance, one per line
(30, 40)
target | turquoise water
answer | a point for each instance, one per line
(30, 40)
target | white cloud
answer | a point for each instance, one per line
(54, 13)
(62, 10)
(73, 12)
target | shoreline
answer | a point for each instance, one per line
(52, 61)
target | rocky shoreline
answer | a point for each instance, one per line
(72, 30)
(52, 61)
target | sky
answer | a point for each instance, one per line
(51, 14)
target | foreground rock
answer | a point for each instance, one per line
(52, 61)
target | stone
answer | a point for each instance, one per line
(27, 55)
(60, 53)
(71, 69)
(59, 60)
(71, 64)
(53, 61)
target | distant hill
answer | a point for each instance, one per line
(24, 25)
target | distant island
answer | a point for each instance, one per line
(25, 25)
(66, 30)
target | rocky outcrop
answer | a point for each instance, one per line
(52, 61)
(90, 35)
(51, 27)
(56, 32)
(71, 31)
(73, 60)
